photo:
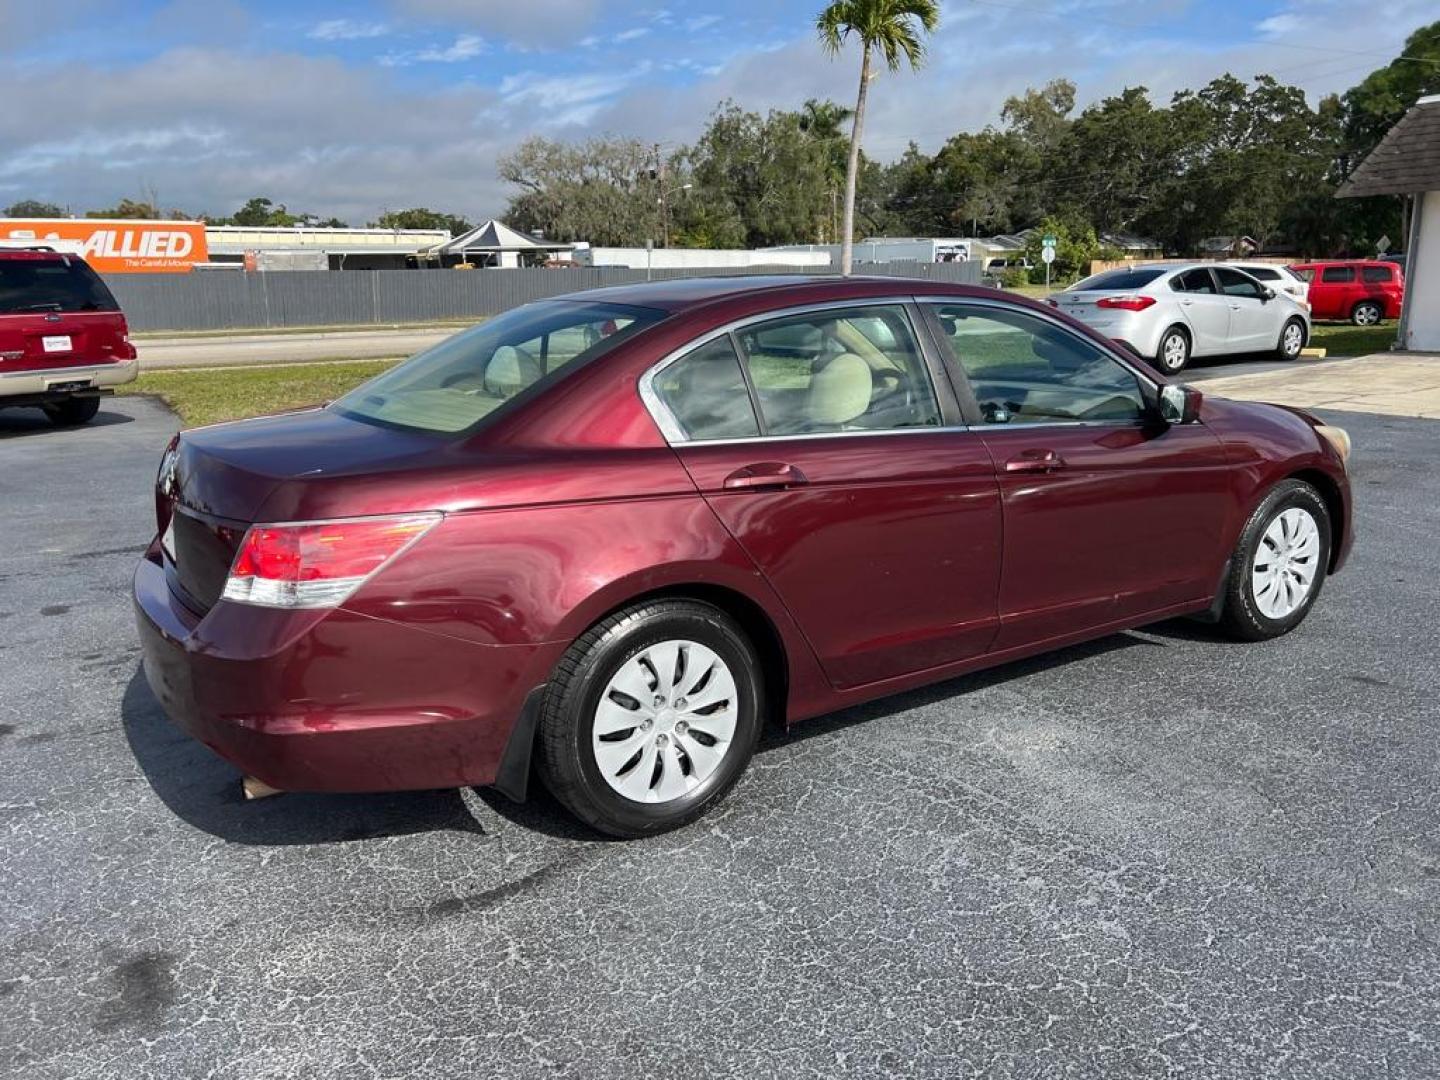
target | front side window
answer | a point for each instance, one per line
(451, 387)
(53, 284)
(706, 393)
(1375, 274)
(1337, 275)
(1026, 370)
(839, 369)
(1234, 283)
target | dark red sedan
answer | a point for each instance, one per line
(614, 534)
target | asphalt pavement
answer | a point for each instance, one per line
(1159, 853)
(225, 350)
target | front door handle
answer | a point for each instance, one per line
(764, 474)
(1035, 461)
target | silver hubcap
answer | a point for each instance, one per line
(1174, 351)
(1286, 563)
(1293, 340)
(1366, 315)
(665, 721)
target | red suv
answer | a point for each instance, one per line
(1360, 290)
(63, 340)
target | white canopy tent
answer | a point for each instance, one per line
(492, 244)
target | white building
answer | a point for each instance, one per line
(791, 259)
(886, 249)
(1407, 162)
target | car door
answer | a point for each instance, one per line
(1254, 320)
(819, 440)
(1333, 293)
(1109, 513)
(1202, 306)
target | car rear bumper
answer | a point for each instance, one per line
(333, 700)
(64, 379)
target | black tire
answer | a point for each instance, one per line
(1288, 347)
(1367, 313)
(1179, 355)
(1241, 617)
(566, 761)
(70, 412)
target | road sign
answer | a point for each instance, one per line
(1047, 255)
(1048, 242)
(1383, 244)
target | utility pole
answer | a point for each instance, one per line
(664, 209)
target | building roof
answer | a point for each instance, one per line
(237, 239)
(1407, 160)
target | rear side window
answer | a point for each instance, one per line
(706, 393)
(1376, 274)
(1262, 273)
(1337, 275)
(1193, 281)
(1123, 279)
(51, 285)
(839, 369)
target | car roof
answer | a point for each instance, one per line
(682, 294)
(34, 254)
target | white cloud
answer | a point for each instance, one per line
(538, 23)
(631, 34)
(347, 30)
(464, 47)
(700, 22)
(1276, 25)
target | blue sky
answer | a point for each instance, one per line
(348, 108)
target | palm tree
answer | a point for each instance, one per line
(891, 28)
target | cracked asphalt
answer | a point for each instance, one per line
(1156, 854)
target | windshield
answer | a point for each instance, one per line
(51, 285)
(453, 386)
(1123, 279)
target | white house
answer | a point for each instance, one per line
(1407, 162)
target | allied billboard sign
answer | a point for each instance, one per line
(118, 246)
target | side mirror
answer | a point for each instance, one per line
(1267, 294)
(1180, 404)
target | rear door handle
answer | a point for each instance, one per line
(1035, 461)
(765, 474)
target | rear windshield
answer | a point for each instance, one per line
(454, 385)
(51, 285)
(1123, 279)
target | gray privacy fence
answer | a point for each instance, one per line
(232, 300)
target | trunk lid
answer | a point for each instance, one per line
(216, 481)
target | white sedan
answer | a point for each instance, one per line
(1173, 312)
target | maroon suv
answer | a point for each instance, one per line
(613, 534)
(63, 340)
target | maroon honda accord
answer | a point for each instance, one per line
(610, 536)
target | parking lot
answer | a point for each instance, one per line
(1155, 853)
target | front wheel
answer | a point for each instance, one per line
(1174, 352)
(1366, 314)
(651, 717)
(68, 412)
(1279, 565)
(1292, 340)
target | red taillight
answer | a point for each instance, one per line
(317, 564)
(1126, 303)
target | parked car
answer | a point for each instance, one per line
(63, 340)
(996, 269)
(1174, 313)
(1277, 277)
(1364, 291)
(615, 534)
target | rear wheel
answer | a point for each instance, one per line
(651, 717)
(1292, 340)
(69, 412)
(1366, 313)
(1279, 565)
(1174, 352)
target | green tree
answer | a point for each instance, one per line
(421, 217)
(138, 209)
(261, 212)
(892, 29)
(604, 190)
(1075, 246)
(33, 208)
(1375, 105)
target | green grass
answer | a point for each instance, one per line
(1343, 339)
(207, 396)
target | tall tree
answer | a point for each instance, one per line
(421, 217)
(33, 208)
(892, 29)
